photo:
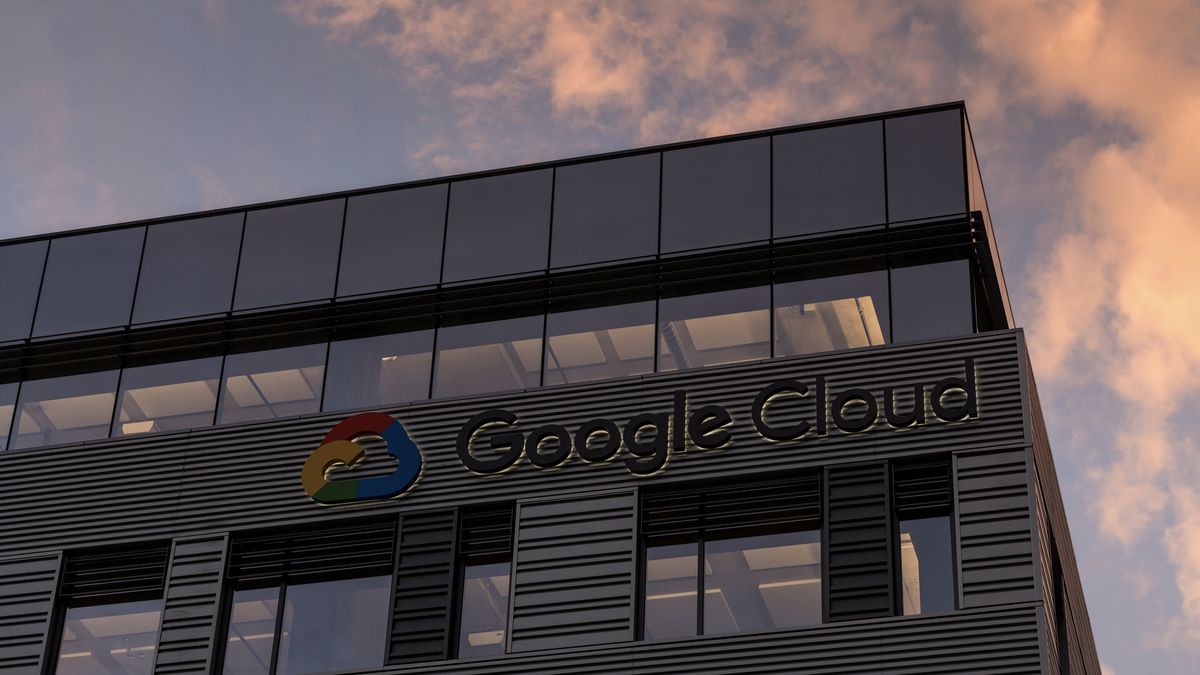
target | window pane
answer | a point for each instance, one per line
(817, 315)
(8, 403)
(932, 301)
(828, 179)
(599, 343)
(119, 639)
(168, 396)
(925, 165)
(670, 610)
(393, 240)
(379, 371)
(498, 225)
(188, 268)
(65, 409)
(334, 625)
(926, 566)
(605, 210)
(714, 328)
(484, 357)
(20, 277)
(275, 383)
(89, 281)
(289, 254)
(251, 632)
(483, 618)
(716, 194)
(762, 583)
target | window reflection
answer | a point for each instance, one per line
(599, 343)
(8, 403)
(116, 639)
(484, 612)
(762, 583)
(714, 328)
(932, 301)
(20, 277)
(251, 632)
(670, 609)
(274, 383)
(378, 371)
(486, 357)
(817, 315)
(926, 565)
(64, 409)
(334, 625)
(168, 396)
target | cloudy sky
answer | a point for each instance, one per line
(1086, 115)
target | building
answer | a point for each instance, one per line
(752, 404)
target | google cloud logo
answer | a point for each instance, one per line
(338, 447)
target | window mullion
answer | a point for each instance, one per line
(278, 626)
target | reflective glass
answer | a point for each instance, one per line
(378, 371)
(670, 609)
(926, 565)
(251, 632)
(762, 583)
(828, 179)
(393, 240)
(8, 403)
(714, 328)
(932, 301)
(925, 165)
(117, 639)
(289, 254)
(483, 617)
(334, 625)
(498, 225)
(273, 383)
(817, 315)
(89, 281)
(605, 210)
(168, 396)
(188, 268)
(64, 409)
(20, 277)
(716, 194)
(484, 357)
(599, 343)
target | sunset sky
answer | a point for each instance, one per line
(1086, 118)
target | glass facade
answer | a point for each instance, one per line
(377, 371)
(167, 396)
(828, 179)
(483, 614)
(20, 277)
(480, 358)
(64, 409)
(616, 199)
(111, 639)
(393, 240)
(273, 383)
(925, 165)
(817, 315)
(926, 565)
(188, 268)
(932, 301)
(89, 282)
(289, 254)
(716, 195)
(599, 343)
(498, 225)
(714, 328)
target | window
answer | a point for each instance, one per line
(480, 358)
(932, 301)
(752, 552)
(606, 210)
(64, 409)
(714, 328)
(289, 254)
(393, 240)
(817, 315)
(828, 179)
(921, 492)
(8, 403)
(925, 165)
(188, 268)
(89, 281)
(716, 194)
(167, 396)
(498, 225)
(600, 342)
(378, 371)
(20, 277)
(274, 383)
(485, 574)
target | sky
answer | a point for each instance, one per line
(1085, 115)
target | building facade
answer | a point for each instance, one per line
(751, 404)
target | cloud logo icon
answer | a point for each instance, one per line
(339, 447)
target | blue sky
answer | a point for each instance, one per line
(1086, 115)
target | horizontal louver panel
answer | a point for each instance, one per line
(346, 550)
(995, 528)
(858, 547)
(114, 571)
(485, 534)
(424, 575)
(190, 611)
(770, 505)
(26, 605)
(921, 489)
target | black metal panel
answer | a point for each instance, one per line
(424, 578)
(573, 572)
(189, 624)
(858, 543)
(772, 505)
(27, 588)
(347, 549)
(921, 488)
(116, 571)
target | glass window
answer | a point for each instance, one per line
(274, 383)
(289, 254)
(251, 632)
(393, 240)
(605, 210)
(498, 225)
(483, 616)
(89, 281)
(817, 315)
(116, 639)
(64, 409)
(8, 403)
(714, 328)
(926, 565)
(931, 301)
(762, 583)
(716, 194)
(925, 165)
(378, 371)
(334, 625)
(168, 396)
(828, 179)
(20, 277)
(599, 343)
(671, 586)
(485, 357)
(188, 268)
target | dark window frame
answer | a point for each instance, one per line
(472, 547)
(920, 505)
